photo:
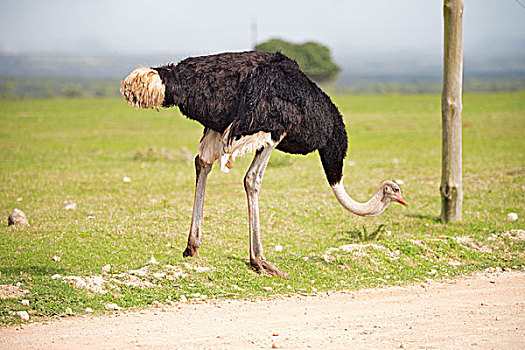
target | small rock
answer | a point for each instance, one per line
(70, 206)
(236, 287)
(268, 289)
(278, 248)
(399, 182)
(88, 309)
(512, 217)
(153, 261)
(126, 179)
(23, 315)
(183, 299)
(24, 302)
(112, 306)
(17, 217)
(106, 269)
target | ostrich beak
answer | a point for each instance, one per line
(399, 199)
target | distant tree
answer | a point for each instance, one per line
(313, 58)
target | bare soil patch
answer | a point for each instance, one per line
(484, 311)
(9, 291)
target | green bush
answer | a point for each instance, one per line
(313, 58)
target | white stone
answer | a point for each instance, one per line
(183, 299)
(56, 276)
(24, 302)
(23, 315)
(17, 217)
(512, 217)
(268, 289)
(70, 206)
(126, 179)
(112, 306)
(278, 248)
(236, 287)
(88, 309)
(399, 182)
(153, 261)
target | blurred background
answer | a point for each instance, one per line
(84, 48)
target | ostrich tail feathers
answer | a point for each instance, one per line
(143, 88)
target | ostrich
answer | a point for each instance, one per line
(252, 102)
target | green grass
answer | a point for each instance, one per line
(55, 152)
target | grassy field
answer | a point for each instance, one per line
(57, 152)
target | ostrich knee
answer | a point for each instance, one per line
(252, 182)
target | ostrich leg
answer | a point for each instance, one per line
(252, 183)
(202, 170)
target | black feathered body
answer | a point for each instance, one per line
(257, 91)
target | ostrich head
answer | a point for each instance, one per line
(143, 88)
(391, 192)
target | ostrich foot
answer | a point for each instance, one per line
(264, 267)
(191, 251)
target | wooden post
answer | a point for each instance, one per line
(451, 109)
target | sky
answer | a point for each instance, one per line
(347, 27)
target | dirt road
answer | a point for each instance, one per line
(480, 312)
